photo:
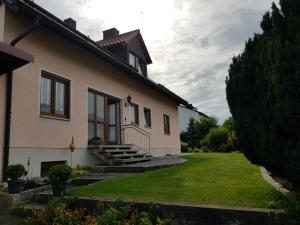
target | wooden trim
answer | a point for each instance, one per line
(56, 79)
(105, 123)
(167, 128)
(150, 119)
(136, 112)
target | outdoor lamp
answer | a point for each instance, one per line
(129, 99)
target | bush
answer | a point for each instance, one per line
(226, 148)
(14, 172)
(59, 173)
(184, 147)
(82, 170)
(291, 208)
(216, 137)
(58, 211)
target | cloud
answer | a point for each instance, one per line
(191, 42)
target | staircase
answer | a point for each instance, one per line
(119, 154)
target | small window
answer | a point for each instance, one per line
(55, 96)
(147, 115)
(134, 62)
(134, 113)
(166, 124)
(45, 167)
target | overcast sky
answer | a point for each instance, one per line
(191, 42)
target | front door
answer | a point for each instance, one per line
(103, 119)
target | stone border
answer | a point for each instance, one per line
(8, 201)
(139, 167)
(266, 176)
(188, 214)
(28, 195)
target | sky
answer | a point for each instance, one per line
(191, 42)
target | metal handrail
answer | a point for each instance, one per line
(137, 128)
(136, 137)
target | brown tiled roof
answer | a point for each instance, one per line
(122, 38)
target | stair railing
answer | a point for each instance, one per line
(134, 135)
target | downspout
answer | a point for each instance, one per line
(9, 88)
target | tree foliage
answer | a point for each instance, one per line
(229, 124)
(197, 130)
(263, 93)
(216, 138)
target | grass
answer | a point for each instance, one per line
(206, 178)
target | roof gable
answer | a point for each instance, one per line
(133, 39)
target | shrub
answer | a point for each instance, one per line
(216, 137)
(3, 188)
(59, 211)
(59, 173)
(14, 172)
(82, 170)
(291, 208)
(196, 150)
(226, 148)
(184, 147)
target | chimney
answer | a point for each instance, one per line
(70, 23)
(110, 33)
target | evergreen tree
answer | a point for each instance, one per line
(263, 93)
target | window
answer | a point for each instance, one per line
(134, 113)
(134, 62)
(147, 115)
(45, 167)
(55, 96)
(166, 124)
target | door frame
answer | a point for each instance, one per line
(119, 115)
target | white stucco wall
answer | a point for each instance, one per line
(185, 115)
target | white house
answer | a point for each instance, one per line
(185, 114)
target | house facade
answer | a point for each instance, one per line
(187, 113)
(79, 88)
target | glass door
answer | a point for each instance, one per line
(113, 121)
(103, 119)
(96, 119)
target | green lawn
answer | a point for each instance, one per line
(206, 178)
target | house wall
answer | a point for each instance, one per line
(2, 90)
(40, 139)
(185, 115)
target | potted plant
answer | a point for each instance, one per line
(96, 141)
(58, 177)
(14, 173)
